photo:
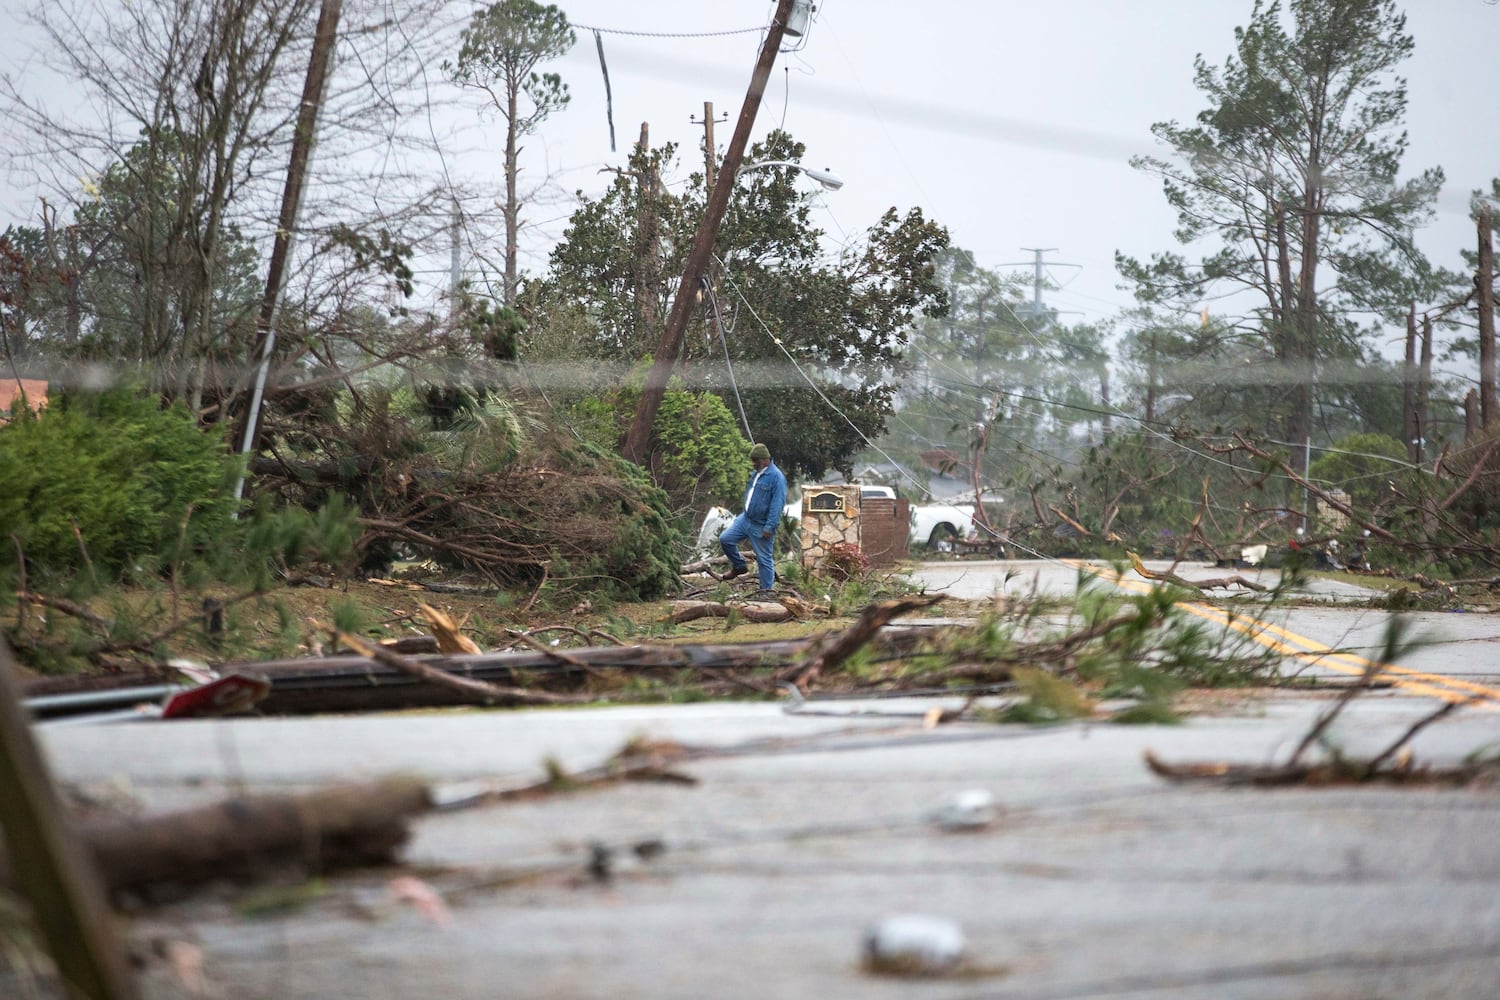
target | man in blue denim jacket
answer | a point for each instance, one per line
(764, 498)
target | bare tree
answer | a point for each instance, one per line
(159, 132)
(176, 112)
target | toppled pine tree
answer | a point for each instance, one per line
(486, 491)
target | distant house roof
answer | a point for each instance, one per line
(11, 390)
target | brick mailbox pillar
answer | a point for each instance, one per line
(836, 514)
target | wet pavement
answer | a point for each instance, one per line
(1095, 878)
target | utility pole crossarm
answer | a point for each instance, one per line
(637, 439)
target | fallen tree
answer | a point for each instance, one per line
(553, 513)
(245, 837)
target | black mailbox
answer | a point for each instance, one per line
(825, 501)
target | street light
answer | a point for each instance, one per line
(826, 178)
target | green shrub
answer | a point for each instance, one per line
(135, 481)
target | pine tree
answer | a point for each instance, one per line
(1289, 180)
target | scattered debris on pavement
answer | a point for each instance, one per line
(914, 944)
(966, 811)
(1393, 765)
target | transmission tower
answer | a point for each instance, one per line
(1036, 311)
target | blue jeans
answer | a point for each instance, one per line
(765, 560)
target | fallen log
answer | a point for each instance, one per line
(757, 611)
(481, 692)
(246, 837)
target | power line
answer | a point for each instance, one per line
(668, 34)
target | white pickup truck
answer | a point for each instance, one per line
(931, 523)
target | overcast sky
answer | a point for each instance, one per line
(1011, 123)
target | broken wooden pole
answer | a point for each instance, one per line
(481, 692)
(52, 870)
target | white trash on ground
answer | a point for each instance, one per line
(914, 944)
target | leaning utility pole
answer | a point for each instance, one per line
(1484, 282)
(638, 438)
(314, 84)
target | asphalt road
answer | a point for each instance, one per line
(1326, 628)
(1095, 878)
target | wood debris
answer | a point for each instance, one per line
(1167, 576)
(249, 836)
(1393, 765)
(482, 692)
(449, 638)
(831, 650)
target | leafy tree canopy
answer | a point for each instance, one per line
(805, 345)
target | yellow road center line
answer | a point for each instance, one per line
(1311, 650)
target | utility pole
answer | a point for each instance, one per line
(1037, 281)
(1424, 387)
(455, 232)
(1485, 285)
(709, 150)
(1106, 424)
(291, 205)
(1151, 376)
(710, 153)
(638, 437)
(1409, 389)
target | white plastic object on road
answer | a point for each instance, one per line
(914, 944)
(970, 809)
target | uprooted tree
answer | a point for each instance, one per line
(490, 491)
